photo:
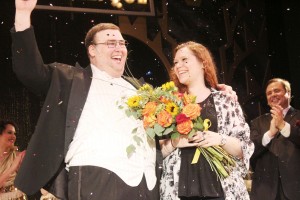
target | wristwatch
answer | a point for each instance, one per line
(223, 140)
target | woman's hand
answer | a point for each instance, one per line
(226, 89)
(209, 138)
(185, 141)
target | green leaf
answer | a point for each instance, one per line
(134, 130)
(139, 113)
(128, 113)
(158, 129)
(191, 133)
(130, 150)
(168, 131)
(120, 107)
(150, 132)
(198, 126)
(175, 135)
(134, 114)
(138, 140)
(199, 119)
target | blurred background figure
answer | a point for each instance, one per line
(276, 135)
(10, 160)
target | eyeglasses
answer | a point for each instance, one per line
(113, 43)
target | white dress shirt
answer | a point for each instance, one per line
(104, 132)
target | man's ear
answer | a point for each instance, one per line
(288, 94)
(92, 51)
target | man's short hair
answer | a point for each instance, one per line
(89, 38)
(284, 83)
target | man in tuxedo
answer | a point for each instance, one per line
(80, 128)
(276, 135)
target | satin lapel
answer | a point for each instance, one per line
(290, 114)
(266, 122)
(78, 95)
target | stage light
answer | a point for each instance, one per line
(129, 1)
(142, 1)
(118, 3)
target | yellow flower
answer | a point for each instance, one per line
(172, 108)
(134, 101)
(146, 87)
(169, 86)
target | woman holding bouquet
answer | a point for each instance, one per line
(194, 72)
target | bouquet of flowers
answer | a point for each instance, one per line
(166, 112)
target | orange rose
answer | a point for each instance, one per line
(149, 108)
(191, 110)
(149, 121)
(185, 127)
(164, 118)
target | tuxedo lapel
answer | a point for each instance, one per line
(290, 114)
(78, 95)
(265, 123)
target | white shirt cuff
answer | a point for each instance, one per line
(266, 139)
(286, 130)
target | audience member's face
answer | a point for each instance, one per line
(8, 137)
(187, 67)
(276, 95)
(110, 59)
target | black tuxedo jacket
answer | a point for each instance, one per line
(66, 88)
(279, 159)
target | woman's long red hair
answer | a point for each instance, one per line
(204, 55)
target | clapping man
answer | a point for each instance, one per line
(276, 135)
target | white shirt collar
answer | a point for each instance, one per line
(98, 73)
(286, 110)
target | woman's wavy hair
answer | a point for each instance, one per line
(204, 56)
(4, 123)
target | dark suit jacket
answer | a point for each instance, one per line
(280, 158)
(66, 88)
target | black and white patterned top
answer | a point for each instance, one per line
(231, 122)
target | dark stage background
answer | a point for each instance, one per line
(252, 41)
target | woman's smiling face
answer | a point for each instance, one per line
(187, 67)
(8, 136)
